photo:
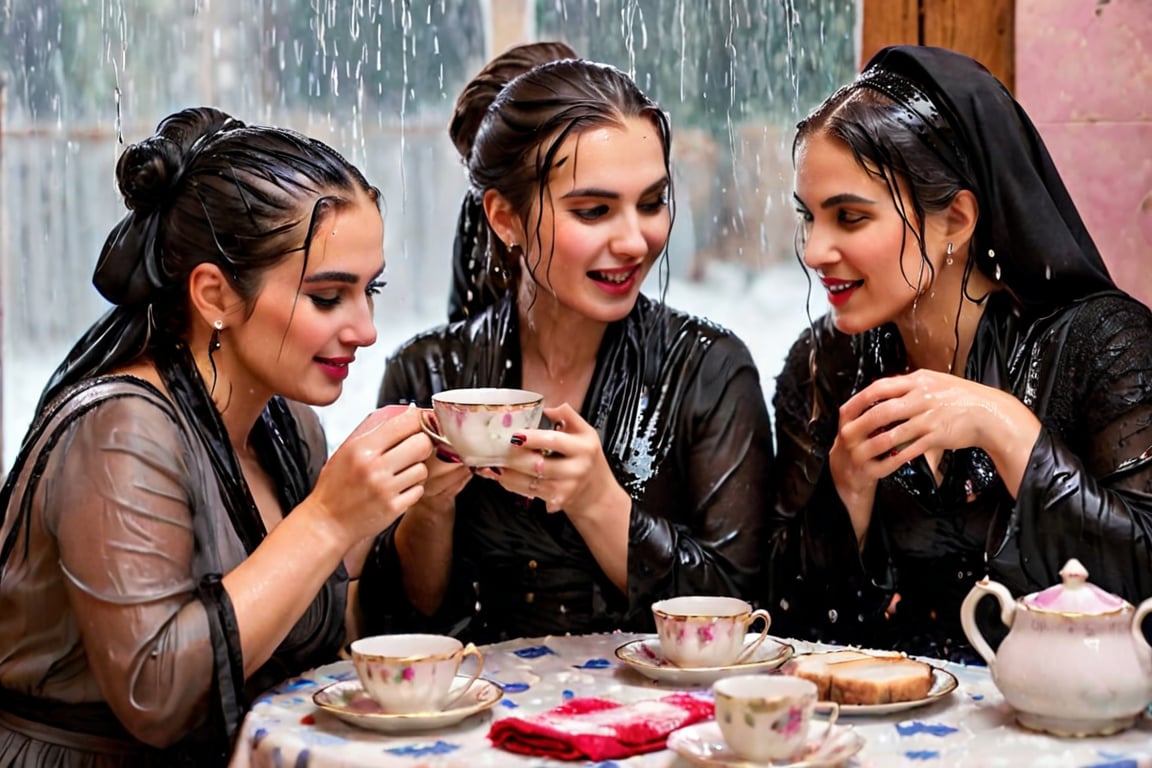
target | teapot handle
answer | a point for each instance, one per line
(1007, 613)
(1142, 610)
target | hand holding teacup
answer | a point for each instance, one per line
(565, 466)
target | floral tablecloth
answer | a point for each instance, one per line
(971, 727)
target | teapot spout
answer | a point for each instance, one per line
(980, 590)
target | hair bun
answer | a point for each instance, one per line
(146, 171)
(149, 170)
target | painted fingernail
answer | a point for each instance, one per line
(447, 457)
(517, 439)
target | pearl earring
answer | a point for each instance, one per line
(948, 254)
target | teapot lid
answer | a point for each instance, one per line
(1075, 595)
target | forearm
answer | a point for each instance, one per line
(1064, 511)
(274, 586)
(423, 541)
(605, 531)
(1008, 434)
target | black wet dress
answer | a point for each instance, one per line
(679, 408)
(1085, 371)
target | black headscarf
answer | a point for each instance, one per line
(1040, 247)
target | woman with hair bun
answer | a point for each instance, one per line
(475, 283)
(172, 538)
(653, 478)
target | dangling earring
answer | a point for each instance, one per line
(213, 346)
(948, 254)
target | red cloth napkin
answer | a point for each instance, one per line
(599, 729)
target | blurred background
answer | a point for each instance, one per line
(377, 79)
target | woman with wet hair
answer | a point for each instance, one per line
(979, 399)
(477, 280)
(650, 476)
(173, 538)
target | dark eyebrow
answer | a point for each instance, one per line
(658, 185)
(846, 197)
(337, 277)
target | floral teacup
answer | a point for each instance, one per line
(766, 717)
(477, 424)
(699, 631)
(412, 673)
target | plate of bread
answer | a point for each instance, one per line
(872, 682)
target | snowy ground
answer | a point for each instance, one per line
(766, 308)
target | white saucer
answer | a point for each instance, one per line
(703, 744)
(644, 656)
(348, 701)
(943, 683)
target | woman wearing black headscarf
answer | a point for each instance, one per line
(172, 540)
(978, 401)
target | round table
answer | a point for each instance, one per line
(970, 727)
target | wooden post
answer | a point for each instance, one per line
(983, 29)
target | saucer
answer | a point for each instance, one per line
(703, 744)
(644, 656)
(348, 701)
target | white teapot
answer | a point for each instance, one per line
(1075, 662)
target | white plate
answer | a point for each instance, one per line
(703, 744)
(943, 683)
(348, 701)
(644, 656)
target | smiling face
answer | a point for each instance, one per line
(866, 255)
(298, 337)
(603, 223)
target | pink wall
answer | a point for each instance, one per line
(1084, 73)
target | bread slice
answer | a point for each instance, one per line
(854, 677)
(817, 667)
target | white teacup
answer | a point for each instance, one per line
(766, 717)
(412, 673)
(477, 424)
(700, 631)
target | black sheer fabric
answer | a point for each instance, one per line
(226, 526)
(682, 420)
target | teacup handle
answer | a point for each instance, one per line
(469, 650)
(759, 613)
(833, 713)
(431, 428)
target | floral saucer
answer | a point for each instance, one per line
(644, 656)
(703, 744)
(348, 701)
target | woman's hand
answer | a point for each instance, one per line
(446, 478)
(565, 466)
(925, 413)
(375, 475)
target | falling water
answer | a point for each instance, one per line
(377, 80)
